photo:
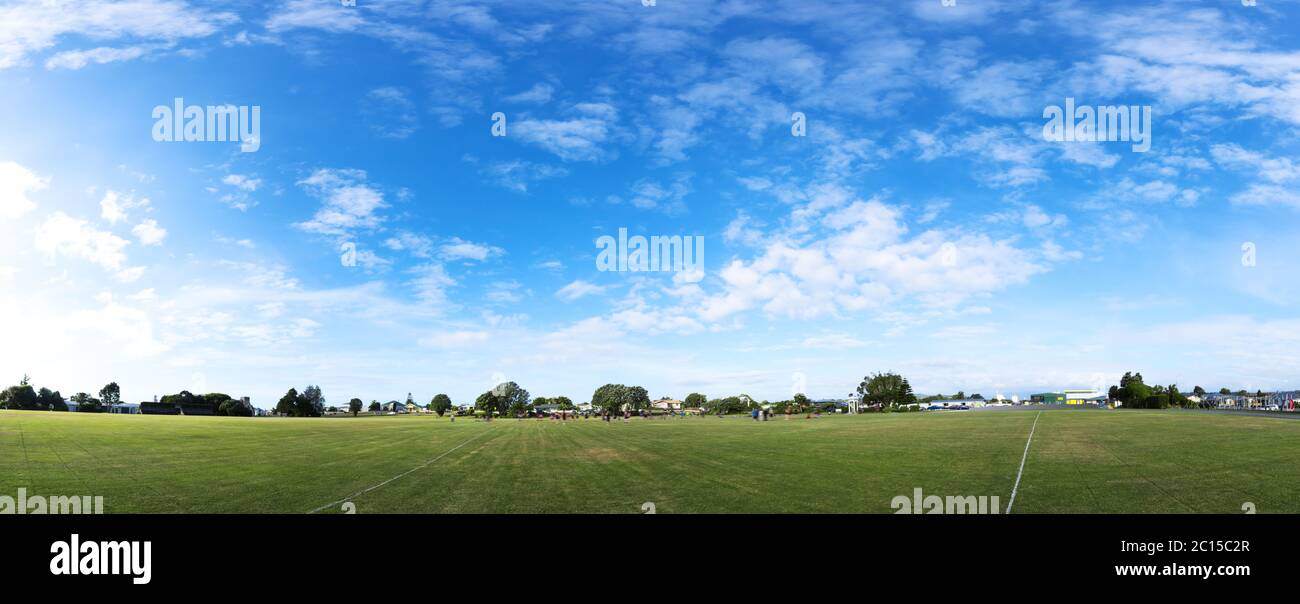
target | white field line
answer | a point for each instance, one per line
(1022, 463)
(415, 469)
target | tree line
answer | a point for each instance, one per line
(23, 396)
(1134, 393)
(883, 392)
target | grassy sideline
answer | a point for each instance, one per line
(1080, 462)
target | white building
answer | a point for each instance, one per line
(668, 405)
(854, 402)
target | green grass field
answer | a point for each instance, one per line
(1080, 462)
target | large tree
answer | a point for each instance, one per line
(886, 390)
(505, 398)
(288, 404)
(1176, 398)
(311, 403)
(616, 398)
(608, 398)
(354, 406)
(728, 405)
(1133, 392)
(486, 403)
(85, 402)
(440, 404)
(234, 408)
(22, 396)
(218, 400)
(110, 395)
(695, 400)
(50, 401)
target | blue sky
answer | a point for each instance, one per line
(923, 224)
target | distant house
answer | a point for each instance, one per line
(1048, 398)
(968, 403)
(125, 408)
(549, 409)
(394, 407)
(668, 404)
(1233, 401)
(1285, 400)
(583, 407)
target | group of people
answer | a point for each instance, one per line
(766, 413)
(608, 416)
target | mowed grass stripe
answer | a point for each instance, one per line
(1161, 462)
(1080, 461)
(715, 465)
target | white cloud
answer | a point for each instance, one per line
(149, 233)
(1003, 89)
(1034, 217)
(459, 249)
(784, 62)
(518, 175)
(389, 113)
(580, 138)
(129, 275)
(579, 289)
(114, 206)
(35, 25)
(455, 339)
(417, 245)
(540, 93)
(431, 284)
(1265, 195)
(242, 182)
(505, 292)
(76, 59)
(839, 253)
(651, 195)
(144, 295)
(239, 198)
(16, 183)
(306, 14)
(348, 203)
(63, 235)
(837, 341)
(1184, 56)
